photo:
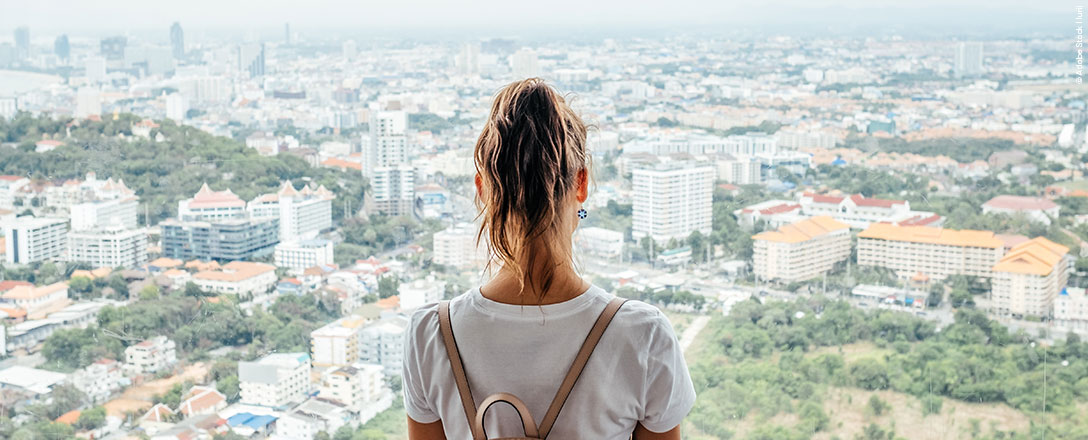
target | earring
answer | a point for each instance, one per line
(582, 213)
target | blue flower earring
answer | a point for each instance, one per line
(582, 213)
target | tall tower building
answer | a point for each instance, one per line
(287, 33)
(251, 59)
(672, 200)
(62, 48)
(22, 42)
(177, 40)
(968, 59)
(385, 160)
(468, 61)
(524, 64)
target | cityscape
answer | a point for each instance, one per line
(862, 235)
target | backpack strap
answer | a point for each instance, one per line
(579, 364)
(455, 362)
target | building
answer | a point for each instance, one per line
(1071, 309)
(22, 43)
(744, 170)
(672, 200)
(312, 417)
(202, 400)
(1029, 278)
(802, 250)
(88, 102)
(599, 241)
(932, 252)
(418, 293)
(108, 247)
(251, 59)
(456, 246)
(99, 380)
(304, 254)
(968, 60)
(337, 343)
(177, 106)
(276, 380)
(62, 48)
(524, 64)
(151, 356)
(359, 387)
(242, 278)
(1036, 209)
(382, 343)
(302, 213)
(30, 239)
(224, 240)
(859, 211)
(104, 213)
(177, 40)
(432, 201)
(211, 206)
(393, 189)
(37, 300)
(385, 160)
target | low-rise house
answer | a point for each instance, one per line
(241, 278)
(276, 380)
(99, 380)
(151, 356)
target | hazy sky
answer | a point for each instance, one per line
(541, 16)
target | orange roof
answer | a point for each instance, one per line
(206, 198)
(803, 230)
(165, 262)
(13, 312)
(341, 163)
(69, 417)
(932, 235)
(236, 271)
(1038, 256)
(389, 303)
(10, 284)
(30, 292)
(1020, 203)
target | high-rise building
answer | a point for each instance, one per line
(385, 161)
(801, 250)
(208, 205)
(524, 64)
(105, 213)
(275, 380)
(1030, 277)
(108, 247)
(177, 40)
(382, 343)
(29, 239)
(88, 102)
(251, 59)
(671, 200)
(223, 240)
(302, 213)
(62, 48)
(968, 59)
(287, 33)
(456, 246)
(468, 60)
(932, 252)
(22, 43)
(113, 48)
(177, 106)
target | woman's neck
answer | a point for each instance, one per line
(504, 288)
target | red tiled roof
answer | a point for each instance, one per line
(861, 200)
(1020, 203)
(10, 284)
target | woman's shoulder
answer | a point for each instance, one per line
(638, 316)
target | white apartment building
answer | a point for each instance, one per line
(150, 356)
(302, 255)
(108, 247)
(456, 246)
(98, 380)
(10, 186)
(243, 278)
(211, 206)
(312, 417)
(382, 343)
(599, 241)
(99, 214)
(672, 200)
(302, 213)
(385, 160)
(933, 252)
(276, 380)
(31, 239)
(859, 211)
(1029, 278)
(802, 250)
(1071, 309)
(393, 189)
(417, 293)
(749, 144)
(337, 343)
(360, 387)
(744, 170)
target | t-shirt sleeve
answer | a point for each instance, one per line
(669, 393)
(415, 400)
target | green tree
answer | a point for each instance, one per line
(92, 418)
(387, 286)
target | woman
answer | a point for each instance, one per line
(520, 332)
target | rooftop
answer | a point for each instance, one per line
(803, 230)
(1037, 256)
(932, 235)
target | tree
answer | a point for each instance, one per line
(876, 406)
(230, 387)
(149, 292)
(92, 418)
(387, 286)
(80, 284)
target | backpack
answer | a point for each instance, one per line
(532, 431)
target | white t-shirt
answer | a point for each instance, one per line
(636, 374)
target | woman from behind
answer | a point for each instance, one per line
(521, 332)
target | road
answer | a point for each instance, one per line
(692, 331)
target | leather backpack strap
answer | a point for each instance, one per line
(455, 363)
(527, 423)
(579, 364)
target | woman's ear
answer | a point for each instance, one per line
(479, 186)
(583, 185)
